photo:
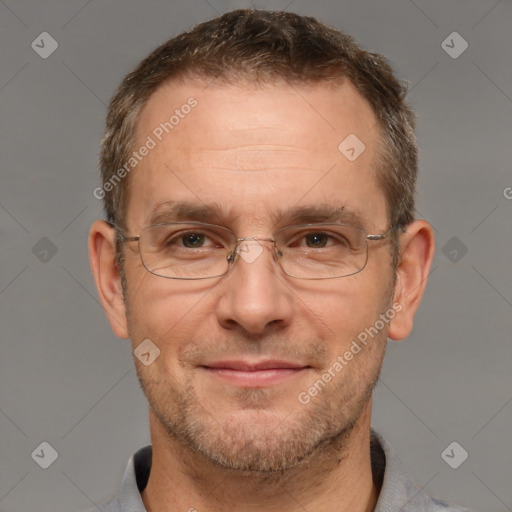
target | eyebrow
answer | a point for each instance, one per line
(179, 211)
(214, 213)
(316, 214)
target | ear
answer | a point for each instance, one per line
(107, 277)
(416, 255)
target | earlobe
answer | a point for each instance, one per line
(417, 252)
(106, 276)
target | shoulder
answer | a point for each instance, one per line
(134, 480)
(441, 506)
(111, 506)
(398, 491)
(425, 503)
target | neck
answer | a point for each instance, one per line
(337, 477)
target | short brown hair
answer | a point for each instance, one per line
(264, 47)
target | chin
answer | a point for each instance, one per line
(257, 440)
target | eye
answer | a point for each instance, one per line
(317, 240)
(193, 240)
(188, 239)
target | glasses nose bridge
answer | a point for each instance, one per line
(237, 252)
(255, 239)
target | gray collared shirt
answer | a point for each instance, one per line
(397, 494)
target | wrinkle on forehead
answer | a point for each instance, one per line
(255, 159)
(258, 115)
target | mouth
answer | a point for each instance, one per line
(261, 374)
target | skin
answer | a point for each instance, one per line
(218, 445)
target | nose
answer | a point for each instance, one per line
(255, 296)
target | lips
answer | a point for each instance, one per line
(252, 374)
(254, 367)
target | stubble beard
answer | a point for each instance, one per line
(261, 441)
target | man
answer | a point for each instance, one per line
(260, 247)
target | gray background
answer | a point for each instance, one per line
(65, 378)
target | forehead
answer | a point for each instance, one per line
(256, 150)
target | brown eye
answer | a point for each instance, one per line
(193, 240)
(316, 240)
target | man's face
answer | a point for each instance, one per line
(250, 154)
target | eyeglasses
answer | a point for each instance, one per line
(184, 250)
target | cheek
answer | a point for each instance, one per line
(168, 312)
(347, 309)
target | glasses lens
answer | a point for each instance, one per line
(186, 251)
(323, 251)
(201, 251)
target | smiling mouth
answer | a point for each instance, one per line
(261, 374)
